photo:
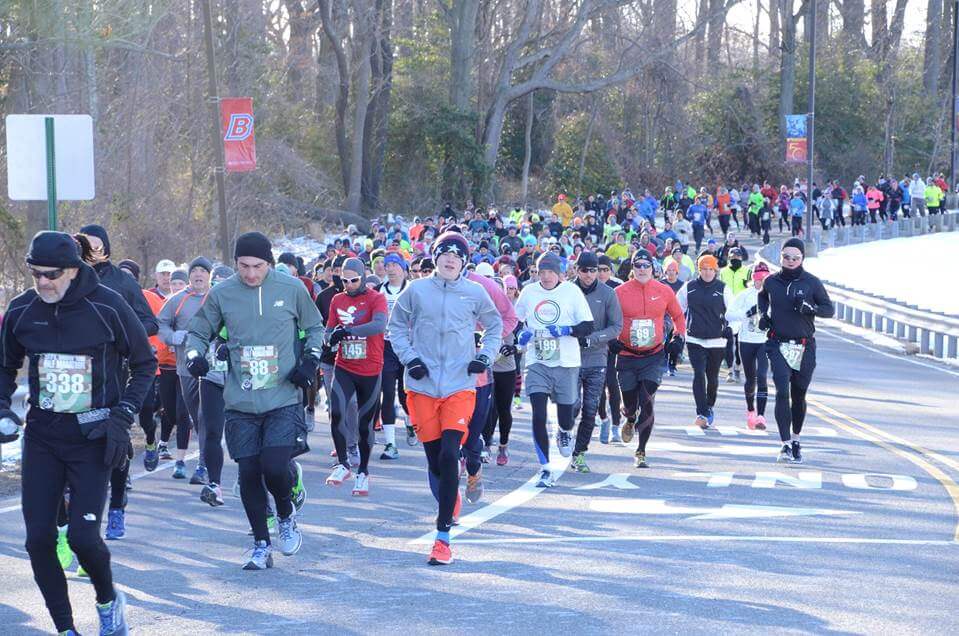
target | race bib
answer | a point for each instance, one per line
(353, 349)
(259, 368)
(792, 353)
(545, 347)
(221, 366)
(66, 382)
(642, 332)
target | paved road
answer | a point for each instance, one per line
(714, 538)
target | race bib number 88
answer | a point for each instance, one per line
(259, 368)
(66, 382)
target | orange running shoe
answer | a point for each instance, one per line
(441, 553)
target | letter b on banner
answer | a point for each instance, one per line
(239, 142)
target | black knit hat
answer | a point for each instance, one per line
(587, 259)
(254, 244)
(54, 249)
(201, 262)
(797, 243)
(130, 266)
(99, 232)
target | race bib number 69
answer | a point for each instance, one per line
(66, 382)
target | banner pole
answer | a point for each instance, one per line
(51, 175)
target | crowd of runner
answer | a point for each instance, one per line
(439, 326)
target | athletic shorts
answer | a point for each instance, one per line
(560, 383)
(249, 433)
(633, 370)
(431, 416)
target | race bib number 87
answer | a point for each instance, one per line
(259, 368)
(66, 382)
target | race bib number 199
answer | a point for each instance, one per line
(259, 368)
(66, 382)
(546, 347)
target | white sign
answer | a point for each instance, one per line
(27, 157)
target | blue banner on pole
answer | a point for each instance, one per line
(795, 126)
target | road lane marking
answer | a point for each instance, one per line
(726, 511)
(711, 538)
(883, 439)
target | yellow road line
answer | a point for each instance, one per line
(874, 435)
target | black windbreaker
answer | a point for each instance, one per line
(126, 286)
(90, 320)
(779, 299)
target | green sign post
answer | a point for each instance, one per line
(51, 175)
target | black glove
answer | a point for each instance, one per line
(752, 311)
(7, 414)
(304, 374)
(478, 365)
(222, 352)
(339, 333)
(806, 308)
(327, 356)
(616, 346)
(507, 350)
(677, 342)
(584, 342)
(765, 323)
(116, 428)
(727, 332)
(477, 339)
(417, 369)
(198, 366)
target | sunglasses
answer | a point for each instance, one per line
(642, 266)
(787, 257)
(588, 270)
(52, 274)
(351, 281)
(534, 271)
(426, 270)
(604, 269)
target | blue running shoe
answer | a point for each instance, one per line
(116, 524)
(710, 416)
(179, 470)
(113, 620)
(199, 477)
(151, 458)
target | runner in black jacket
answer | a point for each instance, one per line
(76, 336)
(789, 302)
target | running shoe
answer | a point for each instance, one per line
(614, 437)
(640, 460)
(299, 490)
(785, 454)
(579, 464)
(81, 572)
(760, 422)
(796, 453)
(164, 452)
(517, 403)
(474, 487)
(736, 375)
(751, 420)
(113, 621)
(179, 470)
(116, 526)
(129, 484)
(485, 455)
(626, 434)
(502, 457)
(64, 553)
(546, 479)
(68, 632)
(361, 485)
(151, 458)
(702, 422)
(212, 494)
(340, 474)
(411, 436)
(710, 416)
(462, 465)
(671, 372)
(730, 377)
(261, 556)
(271, 523)
(604, 431)
(440, 554)
(289, 539)
(353, 454)
(199, 476)
(564, 442)
(236, 487)
(390, 452)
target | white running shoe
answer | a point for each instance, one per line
(340, 474)
(361, 485)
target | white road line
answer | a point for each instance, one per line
(507, 502)
(886, 353)
(711, 538)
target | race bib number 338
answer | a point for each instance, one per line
(66, 382)
(259, 367)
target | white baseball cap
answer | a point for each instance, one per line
(165, 266)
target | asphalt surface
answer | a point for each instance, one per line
(715, 537)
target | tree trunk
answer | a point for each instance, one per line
(932, 63)
(343, 89)
(700, 38)
(302, 24)
(462, 25)
(589, 135)
(759, 9)
(361, 99)
(787, 73)
(853, 22)
(716, 23)
(377, 118)
(528, 148)
(775, 34)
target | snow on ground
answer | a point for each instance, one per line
(912, 270)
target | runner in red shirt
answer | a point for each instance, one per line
(355, 329)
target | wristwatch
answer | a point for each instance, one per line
(126, 408)
(192, 353)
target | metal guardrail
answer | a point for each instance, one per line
(934, 333)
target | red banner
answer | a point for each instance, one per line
(239, 144)
(797, 150)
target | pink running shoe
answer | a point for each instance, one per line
(760, 423)
(751, 420)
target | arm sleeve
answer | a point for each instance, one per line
(675, 310)
(165, 320)
(728, 297)
(488, 316)
(614, 321)
(376, 325)
(11, 358)
(139, 355)
(401, 327)
(205, 324)
(505, 308)
(737, 311)
(824, 306)
(308, 320)
(681, 298)
(762, 301)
